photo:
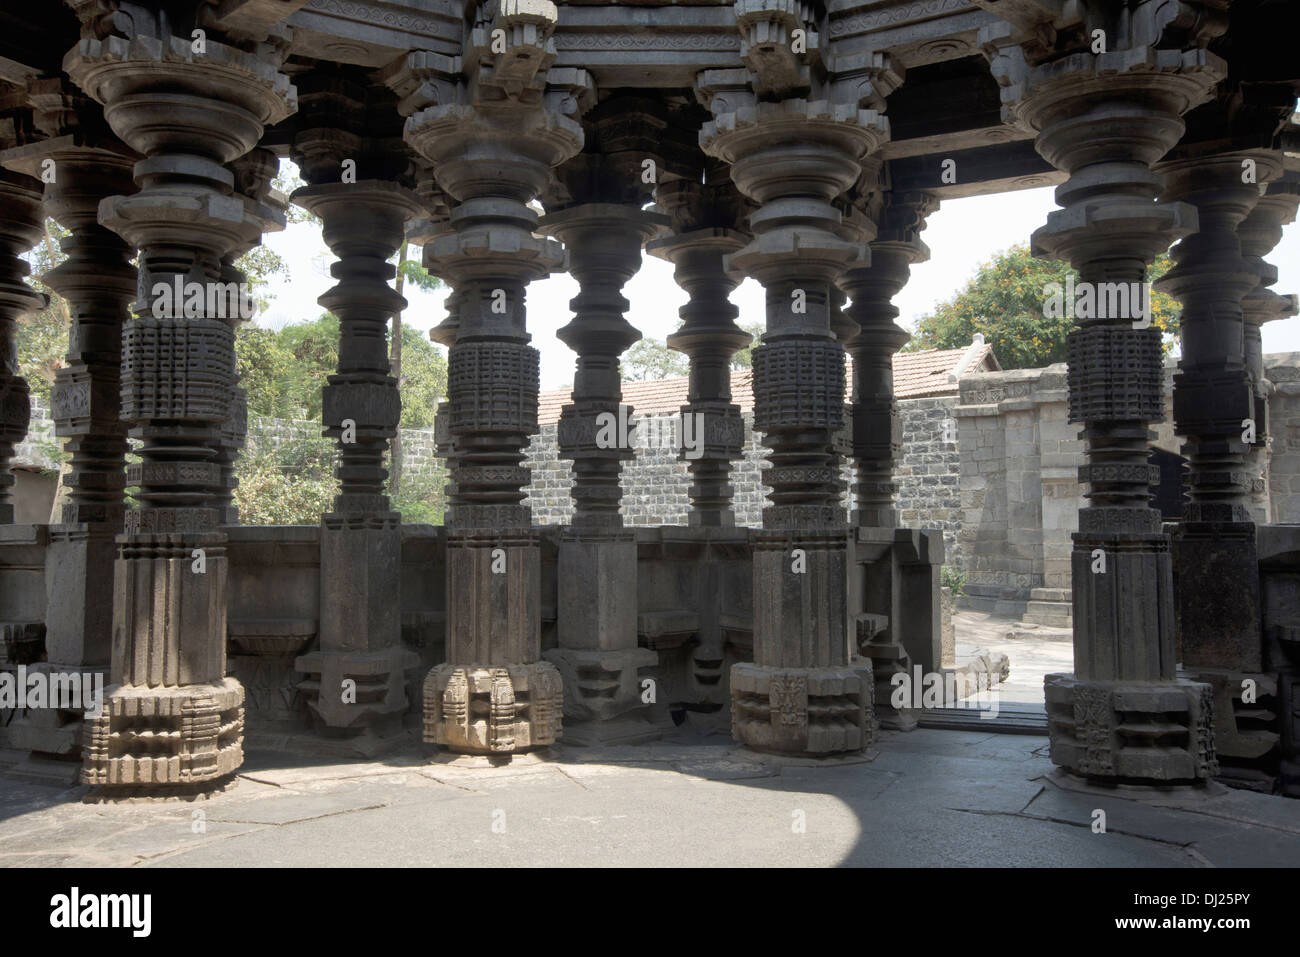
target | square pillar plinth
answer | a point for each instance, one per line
(356, 684)
(901, 623)
(493, 695)
(1117, 732)
(1216, 567)
(596, 622)
(805, 692)
(175, 720)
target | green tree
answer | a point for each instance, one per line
(744, 359)
(410, 270)
(1005, 301)
(267, 371)
(423, 381)
(42, 337)
(290, 483)
(652, 359)
(314, 347)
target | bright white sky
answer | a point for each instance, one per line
(961, 235)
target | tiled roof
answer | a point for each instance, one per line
(916, 375)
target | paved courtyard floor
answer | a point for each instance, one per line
(925, 798)
(1034, 650)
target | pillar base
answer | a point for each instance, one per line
(165, 737)
(811, 711)
(600, 685)
(53, 731)
(493, 710)
(1219, 606)
(1116, 732)
(377, 702)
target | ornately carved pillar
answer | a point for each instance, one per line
(1217, 607)
(355, 679)
(20, 230)
(1106, 119)
(596, 614)
(806, 691)
(704, 234)
(172, 718)
(492, 151)
(898, 574)
(1259, 233)
(83, 164)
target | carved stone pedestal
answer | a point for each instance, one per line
(897, 573)
(598, 657)
(174, 718)
(802, 710)
(501, 710)
(1132, 732)
(165, 738)
(805, 691)
(493, 696)
(78, 627)
(604, 702)
(360, 629)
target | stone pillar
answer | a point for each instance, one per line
(1105, 119)
(897, 569)
(492, 143)
(424, 231)
(1217, 608)
(355, 683)
(806, 692)
(704, 234)
(1259, 232)
(596, 608)
(172, 718)
(20, 230)
(98, 282)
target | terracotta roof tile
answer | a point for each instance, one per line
(916, 375)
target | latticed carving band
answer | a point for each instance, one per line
(492, 387)
(177, 369)
(799, 384)
(1115, 374)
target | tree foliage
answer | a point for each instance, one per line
(284, 371)
(1005, 301)
(744, 359)
(652, 359)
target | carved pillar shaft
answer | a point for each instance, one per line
(20, 229)
(172, 717)
(1259, 233)
(492, 153)
(1217, 608)
(355, 682)
(254, 173)
(877, 428)
(703, 235)
(1106, 119)
(98, 283)
(604, 243)
(596, 563)
(899, 568)
(806, 691)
